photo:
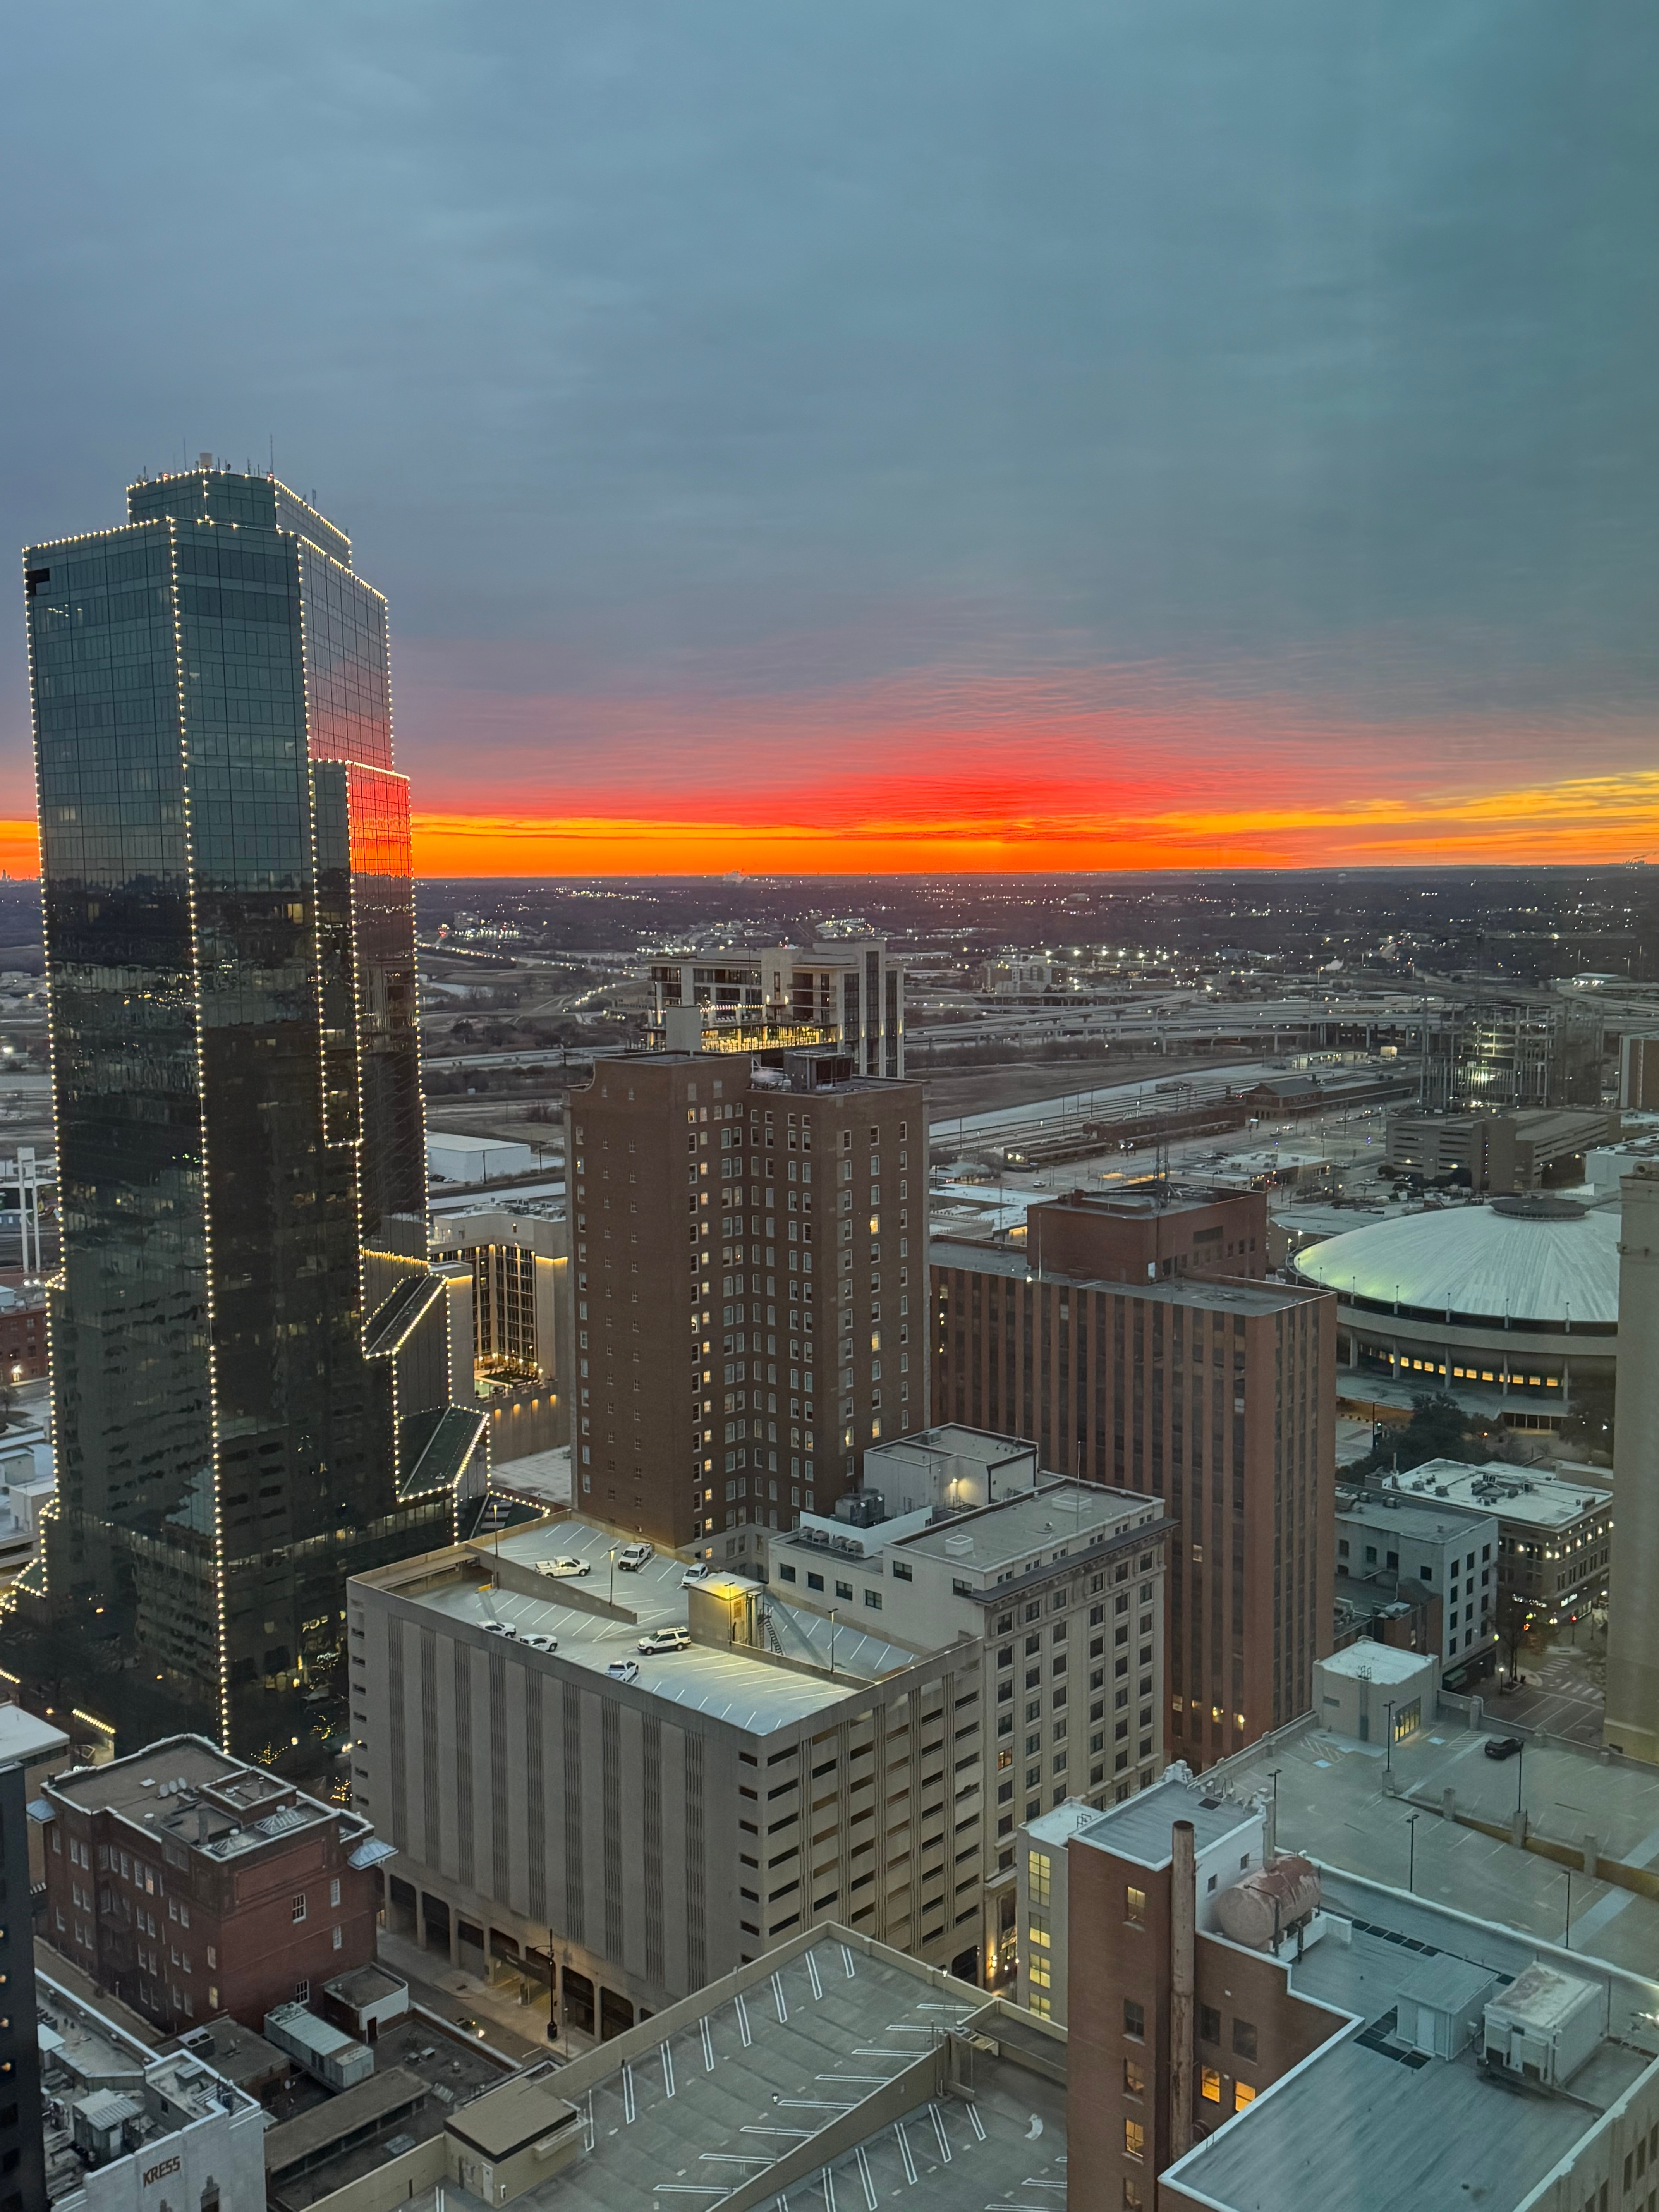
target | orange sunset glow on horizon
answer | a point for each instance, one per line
(1579, 822)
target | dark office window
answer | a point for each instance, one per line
(578, 2001)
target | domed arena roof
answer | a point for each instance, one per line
(1538, 1259)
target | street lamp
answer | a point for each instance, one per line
(1566, 1933)
(611, 1556)
(1520, 1772)
(1411, 1863)
(1387, 1751)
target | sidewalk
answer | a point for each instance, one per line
(517, 2029)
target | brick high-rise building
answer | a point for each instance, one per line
(189, 1884)
(743, 1279)
(1218, 1397)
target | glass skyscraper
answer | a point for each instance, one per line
(250, 1355)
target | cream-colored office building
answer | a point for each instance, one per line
(654, 1820)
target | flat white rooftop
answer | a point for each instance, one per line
(1061, 1520)
(1366, 1661)
(1513, 1494)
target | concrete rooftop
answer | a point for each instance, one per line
(1336, 1804)
(1062, 1518)
(779, 2055)
(1369, 2125)
(1221, 1296)
(732, 1685)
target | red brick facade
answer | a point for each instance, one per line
(1219, 1400)
(1250, 2030)
(1132, 1240)
(23, 1340)
(743, 1289)
(182, 1924)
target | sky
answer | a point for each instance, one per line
(898, 434)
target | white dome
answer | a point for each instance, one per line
(1533, 1259)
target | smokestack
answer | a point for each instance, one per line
(1183, 1911)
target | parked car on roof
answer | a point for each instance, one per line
(665, 1639)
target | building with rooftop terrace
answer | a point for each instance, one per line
(848, 993)
(1217, 1399)
(128, 2129)
(661, 1775)
(191, 1885)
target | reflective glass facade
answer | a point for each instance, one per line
(249, 1355)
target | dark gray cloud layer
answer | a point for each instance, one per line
(778, 344)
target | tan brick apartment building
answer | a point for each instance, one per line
(742, 1284)
(189, 1884)
(1218, 1397)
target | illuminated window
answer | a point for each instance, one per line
(1040, 1871)
(1134, 2078)
(1134, 1906)
(1209, 2085)
(1242, 2095)
(1134, 2139)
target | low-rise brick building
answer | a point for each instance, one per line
(192, 1884)
(22, 1333)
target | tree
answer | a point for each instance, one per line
(1589, 1427)
(1439, 1428)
